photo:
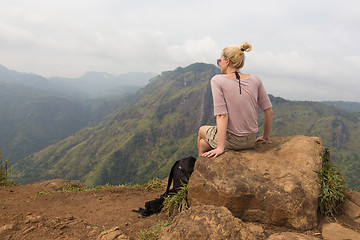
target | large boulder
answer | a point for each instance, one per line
(274, 183)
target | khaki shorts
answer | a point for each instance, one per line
(232, 141)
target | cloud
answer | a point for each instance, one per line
(193, 50)
(296, 76)
(302, 47)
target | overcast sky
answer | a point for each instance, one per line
(302, 50)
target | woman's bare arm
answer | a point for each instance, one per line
(222, 124)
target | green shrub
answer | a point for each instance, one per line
(332, 187)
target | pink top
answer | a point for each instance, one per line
(242, 108)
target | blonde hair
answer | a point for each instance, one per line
(236, 54)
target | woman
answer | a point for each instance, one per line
(236, 98)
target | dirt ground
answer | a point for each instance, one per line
(102, 214)
(24, 214)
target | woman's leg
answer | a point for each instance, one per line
(203, 146)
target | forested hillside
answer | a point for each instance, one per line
(31, 119)
(349, 106)
(159, 124)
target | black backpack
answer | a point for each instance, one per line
(180, 173)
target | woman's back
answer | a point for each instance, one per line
(242, 108)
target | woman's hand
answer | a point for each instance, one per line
(260, 139)
(213, 153)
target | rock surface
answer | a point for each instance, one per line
(354, 197)
(207, 222)
(112, 234)
(291, 236)
(274, 183)
(352, 206)
(334, 231)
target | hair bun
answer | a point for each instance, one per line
(245, 47)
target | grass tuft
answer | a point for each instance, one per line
(332, 188)
(153, 233)
(4, 170)
(175, 203)
(70, 187)
(155, 184)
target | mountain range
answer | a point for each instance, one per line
(36, 112)
(137, 137)
(102, 84)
